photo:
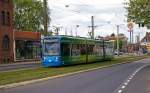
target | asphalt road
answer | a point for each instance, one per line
(106, 80)
(18, 66)
(140, 83)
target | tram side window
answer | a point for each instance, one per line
(83, 49)
(109, 49)
(65, 49)
(91, 49)
(76, 50)
(98, 50)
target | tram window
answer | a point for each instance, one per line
(97, 50)
(83, 49)
(90, 49)
(75, 50)
(65, 49)
(51, 48)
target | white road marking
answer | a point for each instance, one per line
(119, 91)
(130, 78)
(126, 82)
(123, 86)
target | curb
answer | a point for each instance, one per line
(13, 85)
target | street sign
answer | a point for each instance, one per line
(130, 26)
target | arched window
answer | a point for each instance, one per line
(5, 42)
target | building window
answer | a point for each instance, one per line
(5, 42)
(5, 1)
(3, 17)
(8, 19)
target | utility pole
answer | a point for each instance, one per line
(71, 32)
(77, 30)
(66, 31)
(92, 27)
(92, 22)
(132, 37)
(118, 40)
(45, 18)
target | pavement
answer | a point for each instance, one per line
(116, 79)
(19, 66)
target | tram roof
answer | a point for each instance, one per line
(65, 38)
(70, 37)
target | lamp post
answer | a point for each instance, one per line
(118, 40)
(77, 30)
(118, 46)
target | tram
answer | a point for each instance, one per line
(68, 50)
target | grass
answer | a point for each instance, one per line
(30, 74)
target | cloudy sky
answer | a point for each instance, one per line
(107, 14)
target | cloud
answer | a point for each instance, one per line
(79, 12)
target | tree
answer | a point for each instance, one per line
(139, 12)
(120, 44)
(112, 35)
(29, 15)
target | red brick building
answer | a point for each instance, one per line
(6, 31)
(16, 45)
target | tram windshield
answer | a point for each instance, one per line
(51, 48)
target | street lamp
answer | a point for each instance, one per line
(118, 47)
(118, 40)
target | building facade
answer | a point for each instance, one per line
(27, 46)
(6, 31)
(145, 42)
(121, 37)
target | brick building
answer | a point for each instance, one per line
(145, 42)
(6, 31)
(16, 45)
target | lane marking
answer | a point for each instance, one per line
(119, 91)
(125, 83)
(128, 80)
(123, 86)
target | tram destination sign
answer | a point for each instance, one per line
(51, 40)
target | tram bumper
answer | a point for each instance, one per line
(51, 61)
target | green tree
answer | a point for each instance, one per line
(139, 12)
(120, 44)
(29, 15)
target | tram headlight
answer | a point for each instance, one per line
(49, 60)
(57, 59)
(44, 58)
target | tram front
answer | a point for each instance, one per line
(51, 52)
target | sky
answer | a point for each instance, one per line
(67, 14)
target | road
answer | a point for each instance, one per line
(106, 80)
(141, 83)
(19, 66)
